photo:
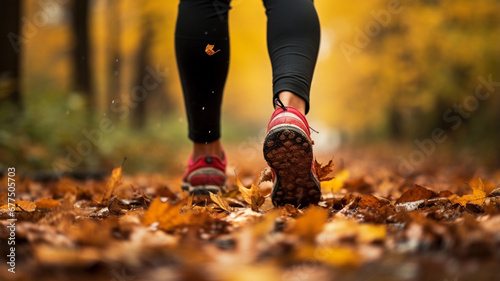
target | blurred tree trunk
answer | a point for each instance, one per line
(138, 92)
(81, 62)
(10, 48)
(114, 31)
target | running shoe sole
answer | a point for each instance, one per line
(288, 150)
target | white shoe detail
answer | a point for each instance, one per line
(287, 114)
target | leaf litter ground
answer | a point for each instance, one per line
(440, 223)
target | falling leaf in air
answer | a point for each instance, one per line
(323, 171)
(251, 195)
(210, 50)
(477, 197)
(221, 202)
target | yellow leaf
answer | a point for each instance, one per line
(220, 202)
(251, 195)
(336, 184)
(369, 233)
(113, 182)
(477, 197)
(310, 224)
(336, 256)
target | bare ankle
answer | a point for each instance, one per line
(203, 149)
(290, 99)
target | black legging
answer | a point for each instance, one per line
(293, 35)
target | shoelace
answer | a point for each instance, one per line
(279, 103)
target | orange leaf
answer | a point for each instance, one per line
(24, 205)
(323, 171)
(47, 203)
(167, 215)
(477, 197)
(113, 182)
(210, 50)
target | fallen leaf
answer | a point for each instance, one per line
(335, 184)
(323, 171)
(23, 205)
(346, 229)
(251, 195)
(113, 182)
(416, 193)
(140, 196)
(220, 202)
(209, 49)
(167, 216)
(47, 203)
(477, 197)
(335, 256)
(266, 175)
(370, 201)
(310, 224)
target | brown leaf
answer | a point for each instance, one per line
(140, 196)
(370, 201)
(265, 175)
(117, 206)
(209, 49)
(323, 171)
(416, 194)
(445, 193)
(477, 197)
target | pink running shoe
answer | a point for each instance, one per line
(206, 174)
(288, 151)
